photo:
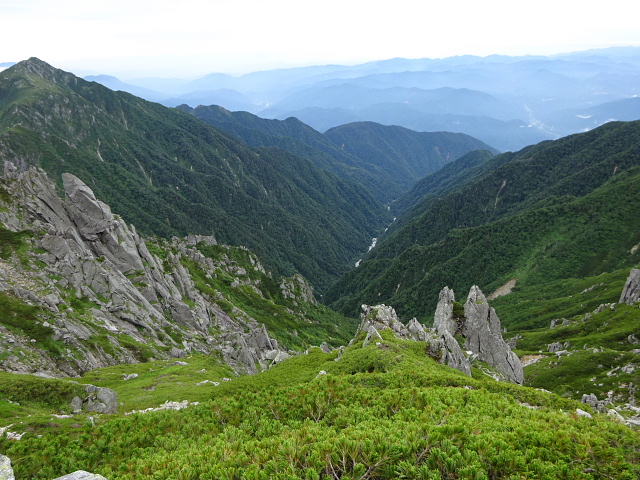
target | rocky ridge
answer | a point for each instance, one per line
(478, 329)
(101, 297)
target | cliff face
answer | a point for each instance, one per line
(85, 291)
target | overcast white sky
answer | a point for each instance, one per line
(130, 38)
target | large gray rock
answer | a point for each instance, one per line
(442, 346)
(443, 319)
(81, 475)
(91, 216)
(631, 290)
(6, 472)
(482, 332)
(446, 328)
(100, 400)
(452, 354)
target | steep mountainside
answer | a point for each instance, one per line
(387, 160)
(296, 137)
(80, 289)
(172, 174)
(557, 210)
(403, 155)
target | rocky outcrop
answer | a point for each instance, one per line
(102, 288)
(446, 326)
(441, 347)
(6, 472)
(482, 332)
(81, 475)
(631, 290)
(479, 329)
(99, 400)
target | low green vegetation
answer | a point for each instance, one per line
(596, 336)
(384, 411)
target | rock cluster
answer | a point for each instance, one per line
(85, 252)
(98, 399)
(479, 328)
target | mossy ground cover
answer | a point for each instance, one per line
(29, 403)
(384, 411)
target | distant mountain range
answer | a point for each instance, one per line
(507, 102)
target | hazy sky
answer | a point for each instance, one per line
(131, 38)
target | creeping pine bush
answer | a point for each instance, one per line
(408, 418)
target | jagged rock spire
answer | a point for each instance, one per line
(482, 331)
(480, 328)
(631, 291)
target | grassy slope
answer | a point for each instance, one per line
(598, 343)
(385, 411)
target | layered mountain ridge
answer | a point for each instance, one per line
(387, 160)
(171, 174)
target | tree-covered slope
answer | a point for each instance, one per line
(387, 160)
(294, 136)
(171, 174)
(404, 155)
(557, 210)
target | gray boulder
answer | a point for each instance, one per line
(100, 400)
(81, 475)
(452, 354)
(6, 472)
(482, 331)
(443, 319)
(89, 214)
(446, 327)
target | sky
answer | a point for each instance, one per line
(190, 38)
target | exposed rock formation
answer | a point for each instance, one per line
(103, 288)
(631, 290)
(482, 332)
(81, 475)
(99, 399)
(6, 472)
(446, 327)
(479, 328)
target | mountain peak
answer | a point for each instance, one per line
(35, 66)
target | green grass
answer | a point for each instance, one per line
(584, 372)
(534, 306)
(407, 417)
(157, 382)
(598, 343)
